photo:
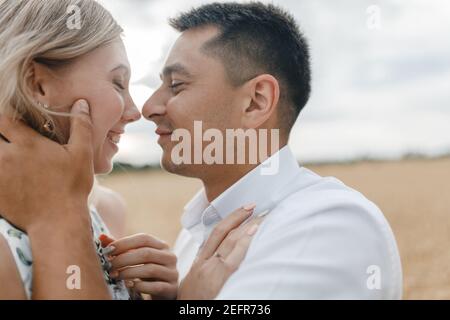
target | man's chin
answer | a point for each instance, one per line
(178, 169)
(167, 164)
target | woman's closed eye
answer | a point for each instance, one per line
(119, 85)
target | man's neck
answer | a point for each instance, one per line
(215, 186)
(223, 177)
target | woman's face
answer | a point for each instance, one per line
(101, 77)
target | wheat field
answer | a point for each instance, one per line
(413, 194)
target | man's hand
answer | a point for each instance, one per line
(146, 264)
(39, 176)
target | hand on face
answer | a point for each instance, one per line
(146, 264)
(101, 77)
(39, 178)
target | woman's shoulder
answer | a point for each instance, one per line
(112, 209)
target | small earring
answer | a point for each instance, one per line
(48, 126)
(43, 105)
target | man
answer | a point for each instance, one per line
(246, 66)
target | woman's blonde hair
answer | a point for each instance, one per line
(46, 32)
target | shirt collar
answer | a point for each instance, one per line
(259, 186)
(194, 209)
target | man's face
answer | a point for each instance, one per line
(194, 87)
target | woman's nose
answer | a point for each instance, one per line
(131, 113)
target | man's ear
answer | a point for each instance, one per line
(38, 81)
(264, 94)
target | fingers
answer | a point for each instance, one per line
(143, 256)
(148, 271)
(105, 240)
(235, 258)
(237, 254)
(230, 242)
(222, 229)
(80, 126)
(136, 241)
(206, 278)
(145, 264)
(16, 131)
(157, 289)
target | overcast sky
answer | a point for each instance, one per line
(381, 87)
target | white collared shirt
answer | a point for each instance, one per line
(321, 239)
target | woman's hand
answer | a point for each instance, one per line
(41, 181)
(145, 264)
(44, 188)
(220, 257)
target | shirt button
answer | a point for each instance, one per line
(210, 218)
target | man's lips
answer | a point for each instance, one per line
(163, 132)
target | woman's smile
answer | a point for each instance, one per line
(114, 137)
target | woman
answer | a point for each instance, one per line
(111, 207)
(44, 67)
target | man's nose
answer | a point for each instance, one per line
(154, 106)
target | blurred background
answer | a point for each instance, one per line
(378, 119)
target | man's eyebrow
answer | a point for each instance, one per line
(122, 66)
(175, 68)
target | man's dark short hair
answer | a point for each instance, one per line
(256, 38)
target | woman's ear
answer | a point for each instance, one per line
(38, 80)
(264, 92)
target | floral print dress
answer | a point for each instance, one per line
(19, 244)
